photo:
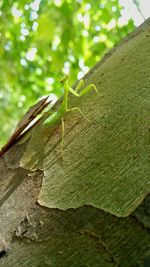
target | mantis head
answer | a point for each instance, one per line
(64, 79)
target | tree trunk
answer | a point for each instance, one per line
(89, 206)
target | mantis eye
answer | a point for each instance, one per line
(65, 78)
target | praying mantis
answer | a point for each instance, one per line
(49, 118)
(59, 115)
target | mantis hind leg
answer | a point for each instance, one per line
(78, 109)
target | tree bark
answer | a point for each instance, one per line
(90, 207)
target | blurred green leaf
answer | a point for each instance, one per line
(46, 29)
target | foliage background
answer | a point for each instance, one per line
(40, 40)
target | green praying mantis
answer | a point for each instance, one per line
(59, 115)
(48, 118)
